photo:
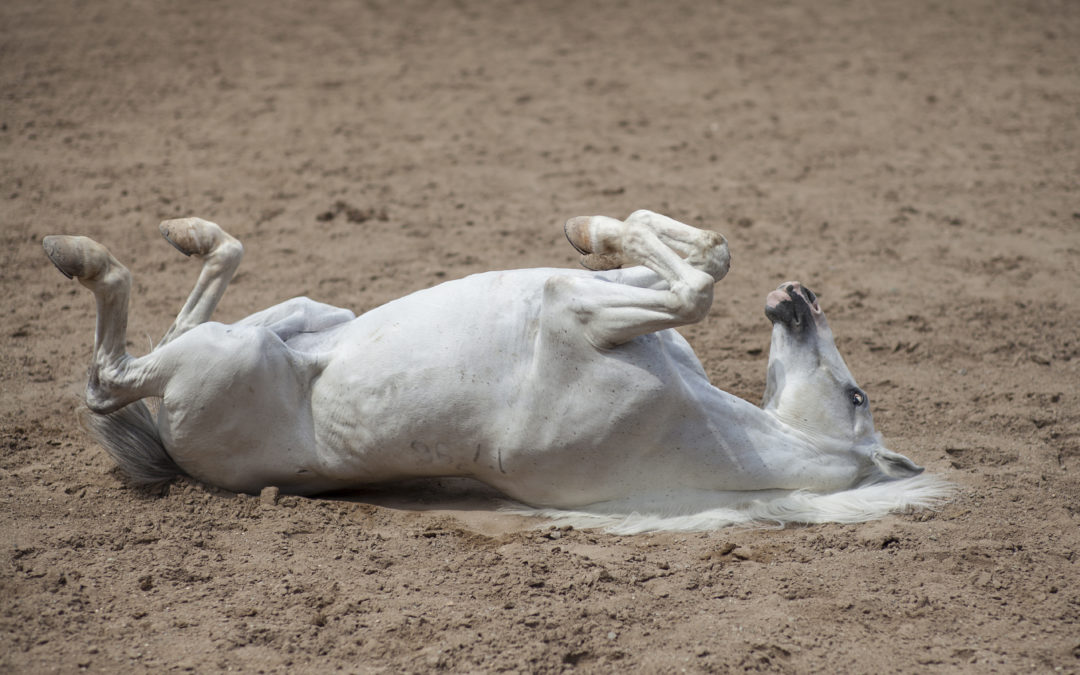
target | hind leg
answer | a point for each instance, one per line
(115, 377)
(220, 253)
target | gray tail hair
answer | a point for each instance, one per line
(131, 438)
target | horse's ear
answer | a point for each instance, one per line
(895, 465)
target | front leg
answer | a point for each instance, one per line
(611, 313)
(602, 248)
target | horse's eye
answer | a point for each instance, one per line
(857, 398)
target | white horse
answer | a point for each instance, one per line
(566, 390)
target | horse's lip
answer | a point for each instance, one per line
(776, 297)
(782, 312)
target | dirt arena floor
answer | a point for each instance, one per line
(916, 163)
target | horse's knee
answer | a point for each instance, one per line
(693, 296)
(319, 315)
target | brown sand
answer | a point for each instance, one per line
(914, 162)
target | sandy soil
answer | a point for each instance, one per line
(914, 162)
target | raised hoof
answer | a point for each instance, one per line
(76, 257)
(578, 234)
(193, 236)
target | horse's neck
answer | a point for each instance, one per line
(784, 455)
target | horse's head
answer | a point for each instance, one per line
(810, 388)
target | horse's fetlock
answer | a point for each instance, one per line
(118, 276)
(635, 239)
(113, 278)
(231, 249)
(606, 236)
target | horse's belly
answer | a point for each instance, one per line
(421, 386)
(459, 380)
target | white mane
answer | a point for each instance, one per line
(698, 511)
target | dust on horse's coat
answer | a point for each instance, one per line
(567, 390)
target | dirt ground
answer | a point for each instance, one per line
(916, 163)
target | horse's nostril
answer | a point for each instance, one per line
(810, 295)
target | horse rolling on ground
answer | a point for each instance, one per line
(566, 390)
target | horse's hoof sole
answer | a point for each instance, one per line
(598, 263)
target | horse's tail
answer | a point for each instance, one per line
(131, 438)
